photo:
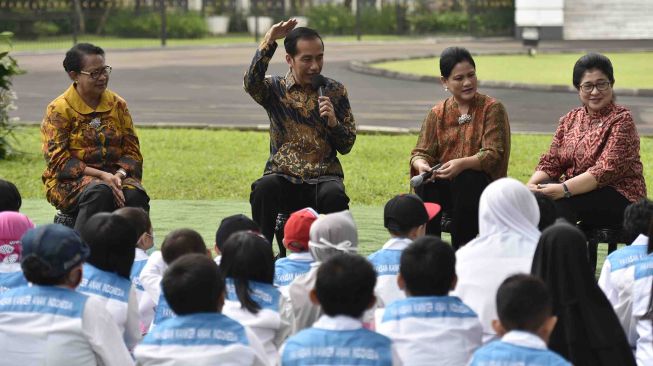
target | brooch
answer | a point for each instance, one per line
(95, 122)
(465, 118)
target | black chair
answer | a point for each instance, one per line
(595, 235)
(279, 225)
(445, 222)
(65, 218)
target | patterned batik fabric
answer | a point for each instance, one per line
(605, 144)
(75, 136)
(486, 136)
(302, 146)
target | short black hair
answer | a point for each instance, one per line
(637, 217)
(75, 56)
(345, 285)
(428, 266)
(548, 213)
(523, 303)
(592, 61)
(112, 240)
(451, 56)
(232, 224)
(10, 199)
(247, 256)
(193, 284)
(181, 241)
(137, 217)
(37, 272)
(290, 42)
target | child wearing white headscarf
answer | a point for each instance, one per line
(329, 235)
(508, 235)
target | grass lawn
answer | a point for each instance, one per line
(65, 42)
(631, 70)
(197, 177)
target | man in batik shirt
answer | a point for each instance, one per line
(306, 130)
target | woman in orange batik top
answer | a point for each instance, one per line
(469, 135)
(94, 163)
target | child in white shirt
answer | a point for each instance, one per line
(344, 288)
(251, 298)
(140, 220)
(525, 323)
(229, 225)
(405, 216)
(106, 272)
(49, 323)
(200, 335)
(428, 327)
(295, 239)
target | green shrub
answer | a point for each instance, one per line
(374, 21)
(8, 69)
(148, 25)
(331, 19)
(494, 22)
(448, 22)
(45, 28)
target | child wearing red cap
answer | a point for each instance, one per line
(298, 262)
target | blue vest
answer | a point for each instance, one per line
(265, 295)
(43, 300)
(137, 267)
(500, 353)
(626, 257)
(104, 284)
(315, 346)
(162, 311)
(9, 280)
(386, 261)
(286, 270)
(197, 330)
(427, 307)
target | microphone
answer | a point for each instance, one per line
(418, 180)
(318, 82)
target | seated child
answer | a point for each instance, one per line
(112, 240)
(329, 235)
(405, 216)
(140, 220)
(616, 278)
(177, 243)
(344, 288)
(642, 308)
(10, 199)
(12, 227)
(200, 335)
(429, 327)
(251, 298)
(525, 323)
(49, 323)
(296, 236)
(229, 225)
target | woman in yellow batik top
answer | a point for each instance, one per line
(94, 163)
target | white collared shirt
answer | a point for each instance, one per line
(616, 281)
(11, 276)
(643, 277)
(431, 330)
(152, 274)
(386, 263)
(517, 348)
(333, 338)
(305, 313)
(288, 268)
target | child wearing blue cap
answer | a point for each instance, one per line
(49, 322)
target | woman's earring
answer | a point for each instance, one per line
(446, 89)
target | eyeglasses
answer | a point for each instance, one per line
(96, 74)
(600, 86)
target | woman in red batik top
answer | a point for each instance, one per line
(592, 169)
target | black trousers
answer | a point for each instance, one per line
(98, 197)
(272, 194)
(602, 207)
(460, 198)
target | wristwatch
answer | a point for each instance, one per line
(564, 188)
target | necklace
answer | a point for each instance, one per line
(95, 122)
(465, 118)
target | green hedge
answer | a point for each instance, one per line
(449, 22)
(331, 19)
(148, 25)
